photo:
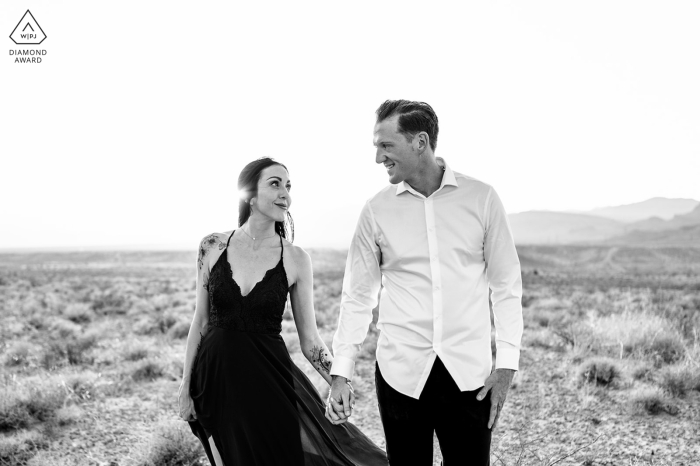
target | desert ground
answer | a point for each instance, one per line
(91, 350)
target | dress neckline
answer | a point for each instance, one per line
(265, 275)
(238, 287)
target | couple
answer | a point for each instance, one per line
(434, 243)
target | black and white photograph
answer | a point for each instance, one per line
(370, 233)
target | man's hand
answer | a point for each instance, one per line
(341, 400)
(498, 382)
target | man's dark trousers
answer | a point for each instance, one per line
(458, 419)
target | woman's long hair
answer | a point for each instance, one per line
(248, 189)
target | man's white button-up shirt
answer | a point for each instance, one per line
(434, 260)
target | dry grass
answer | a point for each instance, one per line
(91, 359)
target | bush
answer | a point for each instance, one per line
(21, 447)
(68, 415)
(666, 348)
(600, 371)
(172, 444)
(18, 354)
(640, 335)
(71, 350)
(13, 412)
(678, 380)
(81, 386)
(166, 320)
(79, 313)
(36, 400)
(651, 401)
(179, 330)
(148, 370)
(136, 353)
(43, 400)
(63, 329)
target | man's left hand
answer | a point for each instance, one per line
(498, 382)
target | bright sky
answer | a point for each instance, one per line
(133, 130)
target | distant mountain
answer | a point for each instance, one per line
(657, 224)
(660, 207)
(686, 236)
(542, 227)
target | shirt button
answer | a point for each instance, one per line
(436, 287)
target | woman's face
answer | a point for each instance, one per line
(273, 199)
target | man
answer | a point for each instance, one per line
(434, 241)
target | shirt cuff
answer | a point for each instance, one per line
(343, 367)
(507, 358)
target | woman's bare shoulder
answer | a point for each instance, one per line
(299, 255)
(211, 245)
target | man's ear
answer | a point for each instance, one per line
(421, 141)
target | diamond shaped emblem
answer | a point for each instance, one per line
(28, 31)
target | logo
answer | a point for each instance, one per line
(28, 31)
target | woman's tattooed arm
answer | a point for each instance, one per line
(205, 246)
(321, 359)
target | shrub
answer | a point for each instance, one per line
(36, 400)
(651, 401)
(63, 329)
(76, 349)
(638, 334)
(147, 370)
(68, 415)
(600, 371)
(643, 372)
(81, 386)
(678, 380)
(136, 353)
(172, 444)
(21, 447)
(166, 320)
(79, 313)
(179, 330)
(18, 354)
(666, 348)
(146, 325)
(72, 350)
(13, 412)
(43, 400)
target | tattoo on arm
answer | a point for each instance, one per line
(320, 359)
(205, 246)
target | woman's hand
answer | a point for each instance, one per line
(185, 402)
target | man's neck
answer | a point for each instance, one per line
(428, 179)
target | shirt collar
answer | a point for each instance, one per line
(448, 179)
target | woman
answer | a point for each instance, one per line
(244, 397)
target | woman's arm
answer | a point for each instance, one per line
(199, 321)
(302, 298)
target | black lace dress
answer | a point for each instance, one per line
(250, 397)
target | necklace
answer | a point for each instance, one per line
(249, 236)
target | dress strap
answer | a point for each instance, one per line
(282, 246)
(229, 238)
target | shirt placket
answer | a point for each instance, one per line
(434, 257)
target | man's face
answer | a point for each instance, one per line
(399, 156)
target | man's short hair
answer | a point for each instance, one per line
(414, 117)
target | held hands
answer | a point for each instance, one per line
(498, 382)
(341, 400)
(185, 403)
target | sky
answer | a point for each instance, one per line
(132, 131)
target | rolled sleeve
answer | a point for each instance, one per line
(361, 285)
(505, 281)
